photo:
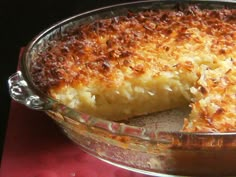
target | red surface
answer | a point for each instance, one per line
(36, 147)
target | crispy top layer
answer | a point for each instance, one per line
(150, 41)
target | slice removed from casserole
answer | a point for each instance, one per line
(146, 62)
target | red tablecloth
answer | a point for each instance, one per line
(35, 147)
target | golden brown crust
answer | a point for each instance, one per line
(101, 47)
(105, 48)
(215, 106)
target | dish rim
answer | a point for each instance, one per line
(110, 126)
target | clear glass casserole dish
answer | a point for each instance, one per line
(141, 147)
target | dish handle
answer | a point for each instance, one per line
(21, 93)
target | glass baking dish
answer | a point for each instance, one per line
(140, 147)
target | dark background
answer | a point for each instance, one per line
(20, 21)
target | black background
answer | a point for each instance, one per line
(20, 21)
